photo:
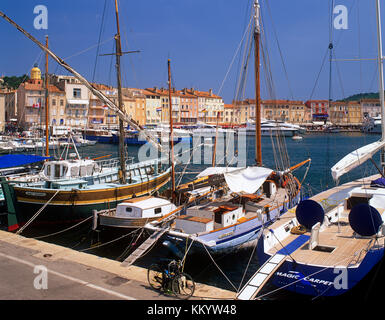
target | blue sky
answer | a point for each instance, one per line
(200, 37)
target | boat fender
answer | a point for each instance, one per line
(284, 182)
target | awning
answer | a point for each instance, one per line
(15, 160)
(247, 180)
(77, 101)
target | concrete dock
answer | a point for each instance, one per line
(35, 270)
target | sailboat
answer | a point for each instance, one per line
(238, 201)
(330, 242)
(74, 188)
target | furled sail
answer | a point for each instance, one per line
(355, 158)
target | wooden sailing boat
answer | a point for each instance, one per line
(330, 242)
(60, 200)
(243, 200)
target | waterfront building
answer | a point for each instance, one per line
(162, 107)
(138, 99)
(354, 113)
(57, 106)
(276, 110)
(153, 107)
(8, 109)
(2, 110)
(77, 100)
(228, 114)
(319, 110)
(370, 108)
(345, 113)
(189, 107)
(30, 100)
(245, 111)
(210, 106)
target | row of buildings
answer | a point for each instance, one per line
(72, 104)
(305, 112)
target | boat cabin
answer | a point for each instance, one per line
(208, 217)
(144, 207)
(65, 169)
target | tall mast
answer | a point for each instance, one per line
(46, 101)
(122, 175)
(171, 132)
(257, 33)
(381, 80)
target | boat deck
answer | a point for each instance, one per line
(337, 244)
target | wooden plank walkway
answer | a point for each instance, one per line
(143, 248)
(261, 277)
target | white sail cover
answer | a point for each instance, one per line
(217, 170)
(247, 180)
(355, 158)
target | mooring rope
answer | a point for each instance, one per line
(55, 233)
(220, 270)
(37, 213)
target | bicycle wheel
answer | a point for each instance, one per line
(183, 286)
(155, 276)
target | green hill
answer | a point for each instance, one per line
(359, 96)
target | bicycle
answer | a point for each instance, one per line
(169, 277)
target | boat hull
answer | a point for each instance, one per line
(99, 139)
(313, 280)
(123, 223)
(241, 235)
(73, 205)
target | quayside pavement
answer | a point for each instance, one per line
(35, 270)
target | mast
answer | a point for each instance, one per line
(381, 80)
(257, 33)
(46, 101)
(330, 57)
(215, 143)
(171, 138)
(122, 173)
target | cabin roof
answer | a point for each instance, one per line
(146, 202)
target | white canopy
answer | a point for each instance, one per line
(247, 180)
(355, 158)
(217, 170)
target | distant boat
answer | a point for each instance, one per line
(271, 127)
(99, 135)
(332, 129)
(372, 125)
(296, 137)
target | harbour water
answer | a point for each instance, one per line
(228, 271)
